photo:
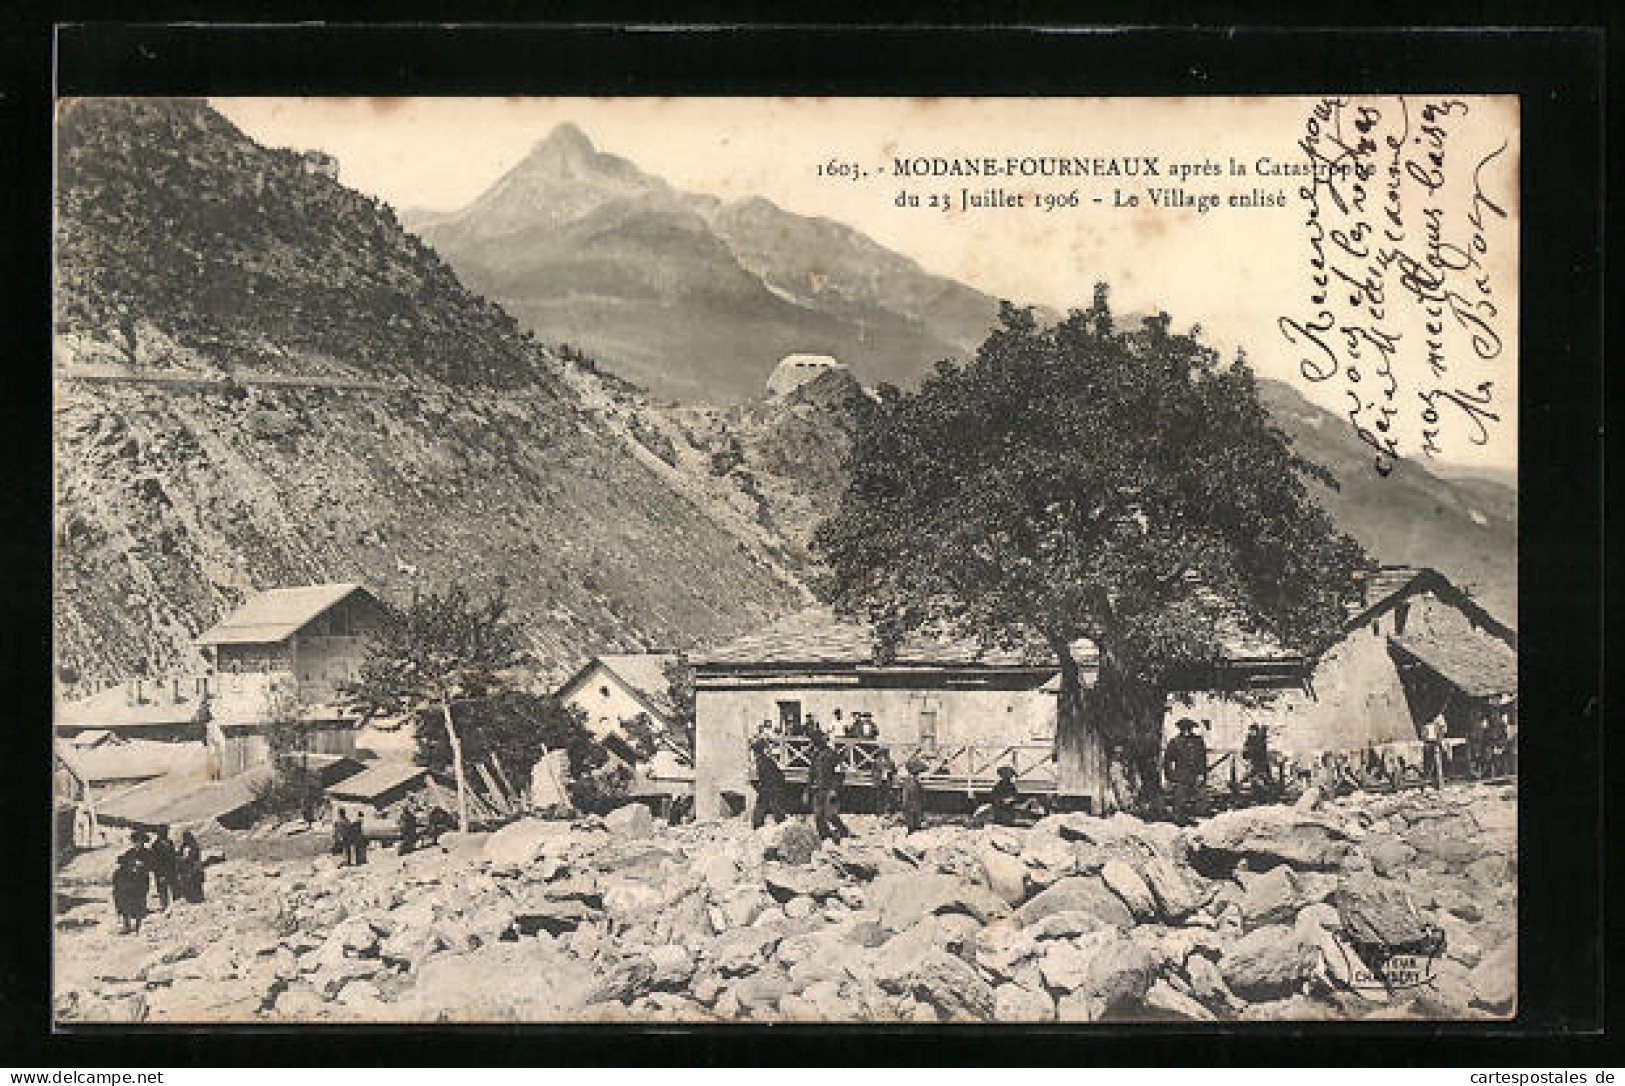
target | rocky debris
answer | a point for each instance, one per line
(1074, 919)
(1266, 837)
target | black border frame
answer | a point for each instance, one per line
(1559, 72)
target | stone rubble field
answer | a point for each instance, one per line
(620, 919)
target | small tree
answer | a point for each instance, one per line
(443, 650)
(512, 728)
(680, 692)
(287, 740)
(1084, 481)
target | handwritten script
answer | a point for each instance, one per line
(1408, 300)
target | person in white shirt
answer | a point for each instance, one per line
(1433, 733)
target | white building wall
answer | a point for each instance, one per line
(1357, 700)
(726, 718)
(604, 700)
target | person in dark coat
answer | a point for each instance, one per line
(162, 857)
(884, 772)
(824, 780)
(341, 835)
(913, 795)
(189, 868)
(1002, 797)
(409, 828)
(769, 784)
(130, 875)
(1185, 765)
(440, 821)
(358, 839)
(1255, 751)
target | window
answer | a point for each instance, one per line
(603, 691)
(789, 716)
(928, 727)
(1401, 613)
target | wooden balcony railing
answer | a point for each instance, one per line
(948, 766)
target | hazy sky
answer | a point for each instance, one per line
(1236, 271)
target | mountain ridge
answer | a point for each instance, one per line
(791, 283)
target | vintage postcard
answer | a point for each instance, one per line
(751, 560)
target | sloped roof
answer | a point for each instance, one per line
(1474, 662)
(130, 761)
(645, 673)
(374, 781)
(111, 708)
(1388, 586)
(818, 636)
(277, 614)
(180, 798)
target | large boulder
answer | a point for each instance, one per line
(1018, 1003)
(902, 899)
(630, 821)
(1379, 913)
(1102, 973)
(520, 844)
(1271, 898)
(1079, 893)
(1178, 892)
(794, 843)
(1126, 883)
(1272, 963)
(1266, 837)
(785, 882)
(524, 981)
(1389, 854)
(950, 986)
(1165, 1001)
(1006, 875)
(1494, 980)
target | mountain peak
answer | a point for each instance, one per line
(565, 138)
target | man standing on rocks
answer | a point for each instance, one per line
(913, 795)
(163, 867)
(1433, 733)
(130, 883)
(824, 779)
(1255, 750)
(769, 784)
(341, 835)
(409, 828)
(1185, 764)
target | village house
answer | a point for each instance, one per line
(1413, 647)
(968, 708)
(612, 689)
(170, 710)
(280, 658)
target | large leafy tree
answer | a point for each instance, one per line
(1085, 481)
(443, 650)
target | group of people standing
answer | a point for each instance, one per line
(414, 829)
(176, 873)
(893, 793)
